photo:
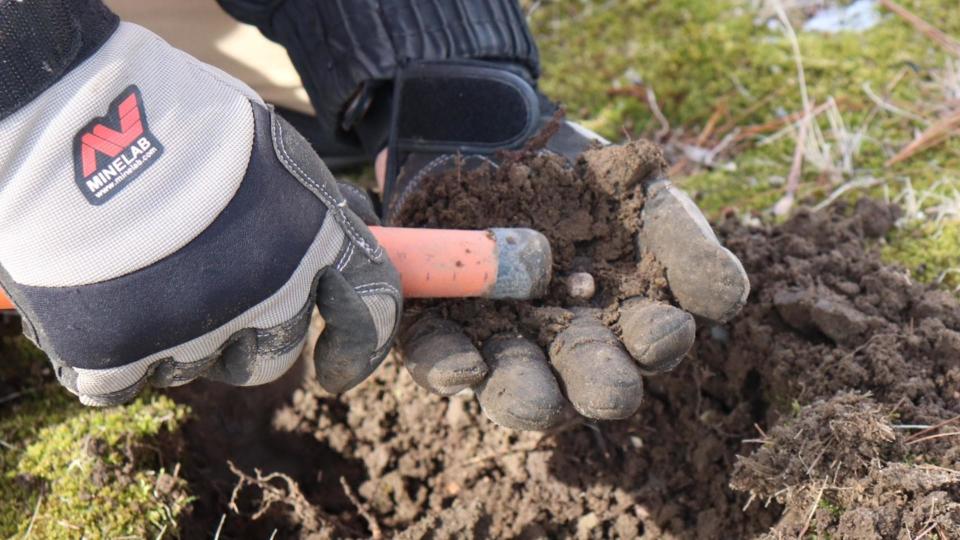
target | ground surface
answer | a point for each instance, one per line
(820, 385)
(824, 384)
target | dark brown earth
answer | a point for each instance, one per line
(807, 403)
(590, 212)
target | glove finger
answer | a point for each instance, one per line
(598, 376)
(358, 200)
(440, 357)
(361, 309)
(706, 278)
(358, 297)
(520, 392)
(657, 335)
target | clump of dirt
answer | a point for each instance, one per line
(828, 318)
(590, 211)
(841, 470)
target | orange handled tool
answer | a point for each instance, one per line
(437, 263)
(497, 263)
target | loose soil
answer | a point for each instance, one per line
(799, 417)
(590, 212)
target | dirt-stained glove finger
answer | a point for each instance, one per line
(360, 325)
(706, 278)
(598, 376)
(520, 392)
(259, 356)
(440, 357)
(360, 301)
(657, 335)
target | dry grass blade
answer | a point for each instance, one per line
(860, 183)
(796, 170)
(718, 113)
(216, 534)
(932, 136)
(925, 532)
(783, 206)
(645, 94)
(734, 122)
(951, 45)
(932, 437)
(781, 123)
(890, 107)
(932, 428)
(813, 510)
(658, 114)
(33, 518)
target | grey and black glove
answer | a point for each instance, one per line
(159, 223)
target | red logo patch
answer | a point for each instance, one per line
(112, 150)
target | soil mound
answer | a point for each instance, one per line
(842, 471)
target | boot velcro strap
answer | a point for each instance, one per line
(469, 107)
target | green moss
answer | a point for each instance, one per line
(795, 408)
(930, 252)
(830, 506)
(86, 467)
(697, 54)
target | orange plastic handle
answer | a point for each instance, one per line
(439, 263)
(433, 263)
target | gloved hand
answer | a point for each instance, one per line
(159, 223)
(452, 117)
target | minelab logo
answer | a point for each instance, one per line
(113, 150)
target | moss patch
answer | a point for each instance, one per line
(69, 471)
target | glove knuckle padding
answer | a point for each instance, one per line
(204, 264)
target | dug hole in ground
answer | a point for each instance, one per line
(825, 409)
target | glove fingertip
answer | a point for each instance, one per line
(441, 358)
(521, 391)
